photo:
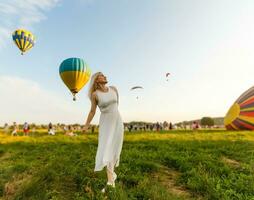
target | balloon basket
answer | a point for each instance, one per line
(74, 97)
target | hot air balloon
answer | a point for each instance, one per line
(75, 73)
(136, 87)
(24, 40)
(241, 114)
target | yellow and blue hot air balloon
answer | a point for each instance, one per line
(241, 114)
(24, 40)
(75, 73)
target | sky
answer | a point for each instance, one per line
(206, 46)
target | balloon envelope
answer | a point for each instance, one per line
(24, 40)
(75, 73)
(241, 114)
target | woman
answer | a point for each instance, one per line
(15, 129)
(111, 127)
(26, 128)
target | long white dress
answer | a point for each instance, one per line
(111, 131)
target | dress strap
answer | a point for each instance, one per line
(112, 88)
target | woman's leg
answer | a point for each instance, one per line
(110, 172)
(110, 175)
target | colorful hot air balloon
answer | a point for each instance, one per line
(241, 114)
(24, 40)
(75, 73)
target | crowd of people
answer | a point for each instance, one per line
(159, 126)
(149, 127)
(71, 130)
(25, 129)
(15, 129)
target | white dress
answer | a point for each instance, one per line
(111, 131)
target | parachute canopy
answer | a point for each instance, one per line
(241, 114)
(167, 75)
(75, 73)
(136, 87)
(24, 40)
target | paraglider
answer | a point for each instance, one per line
(241, 114)
(75, 73)
(167, 75)
(136, 87)
(24, 40)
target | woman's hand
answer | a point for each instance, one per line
(85, 128)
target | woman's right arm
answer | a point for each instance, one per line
(92, 110)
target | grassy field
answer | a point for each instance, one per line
(167, 165)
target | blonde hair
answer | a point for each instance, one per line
(93, 85)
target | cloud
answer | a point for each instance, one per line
(25, 13)
(25, 100)
(86, 2)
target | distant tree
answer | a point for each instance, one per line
(170, 126)
(185, 124)
(43, 126)
(165, 124)
(207, 121)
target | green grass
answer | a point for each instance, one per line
(167, 165)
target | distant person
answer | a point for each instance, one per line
(26, 128)
(6, 128)
(65, 129)
(130, 127)
(197, 125)
(161, 126)
(157, 126)
(170, 126)
(70, 131)
(111, 129)
(50, 126)
(126, 128)
(93, 129)
(15, 129)
(194, 125)
(51, 129)
(151, 127)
